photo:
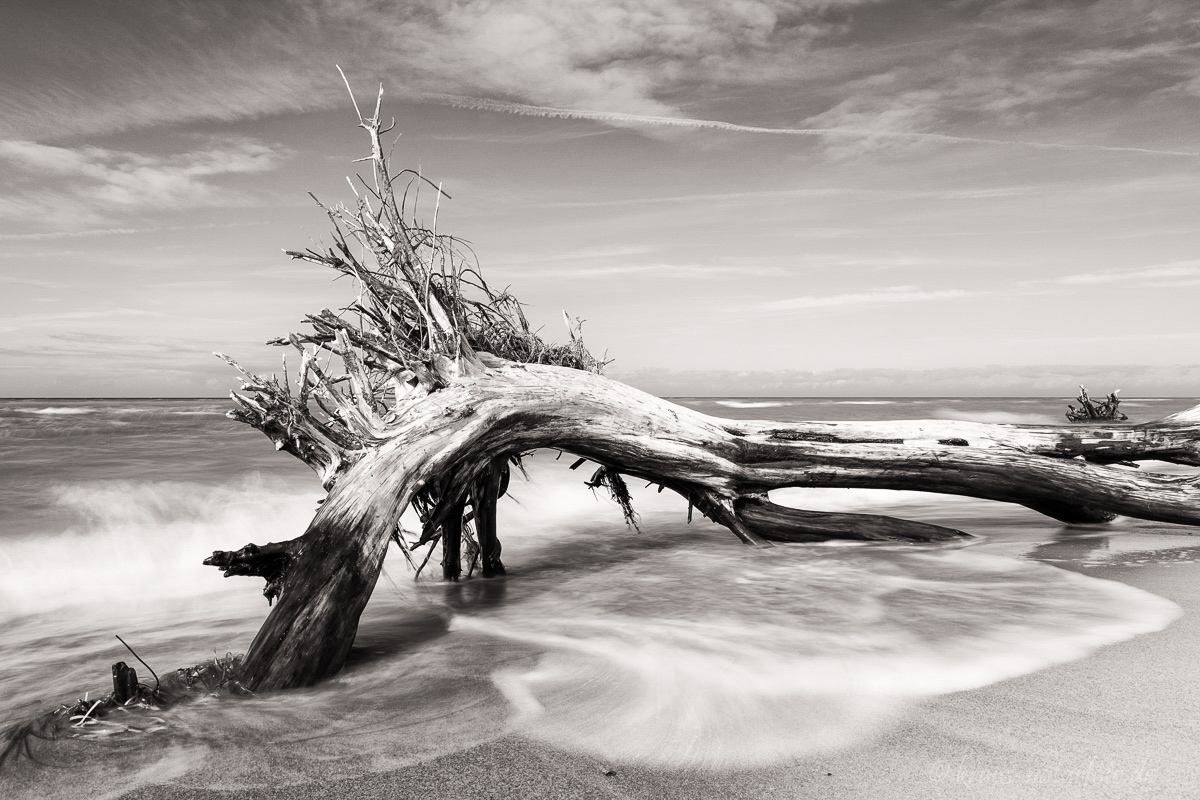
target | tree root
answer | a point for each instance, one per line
(1089, 410)
(611, 479)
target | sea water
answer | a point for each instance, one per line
(673, 645)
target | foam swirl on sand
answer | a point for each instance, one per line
(718, 662)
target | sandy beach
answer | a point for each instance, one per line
(1121, 723)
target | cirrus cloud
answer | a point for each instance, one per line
(86, 184)
(890, 295)
(978, 72)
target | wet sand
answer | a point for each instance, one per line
(1121, 723)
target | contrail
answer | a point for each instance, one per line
(126, 231)
(503, 107)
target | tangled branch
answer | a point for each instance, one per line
(422, 315)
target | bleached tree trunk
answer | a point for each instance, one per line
(726, 468)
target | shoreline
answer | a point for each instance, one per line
(1119, 723)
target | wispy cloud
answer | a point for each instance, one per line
(111, 316)
(1095, 72)
(604, 253)
(990, 380)
(109, 364)
(1181, 269)
(864, 192)
(839, 131)
(972, 73)
(87, 184)
(655, 270)
(228, 60)
(81, 234)
(890, 295)
(1176, 273)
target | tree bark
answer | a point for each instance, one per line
(452, 544)
(309, 632)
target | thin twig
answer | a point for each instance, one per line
(351, 91)
(157, 683)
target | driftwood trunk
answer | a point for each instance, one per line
(726, 468)
(425, 389)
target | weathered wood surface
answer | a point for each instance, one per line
(125, 683)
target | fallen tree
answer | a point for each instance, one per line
(426, 390)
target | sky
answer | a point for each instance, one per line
(814, 197)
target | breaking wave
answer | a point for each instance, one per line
(140, 541)
(1004, 417)
(752, 403)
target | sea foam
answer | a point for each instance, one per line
(718, 662)
(142, 541)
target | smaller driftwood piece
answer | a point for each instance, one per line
(1089, 410)
(131, 707)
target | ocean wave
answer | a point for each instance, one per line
(143, 541)
(1001, 417)
(752, 403)
(868, 500)
(57, 411)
